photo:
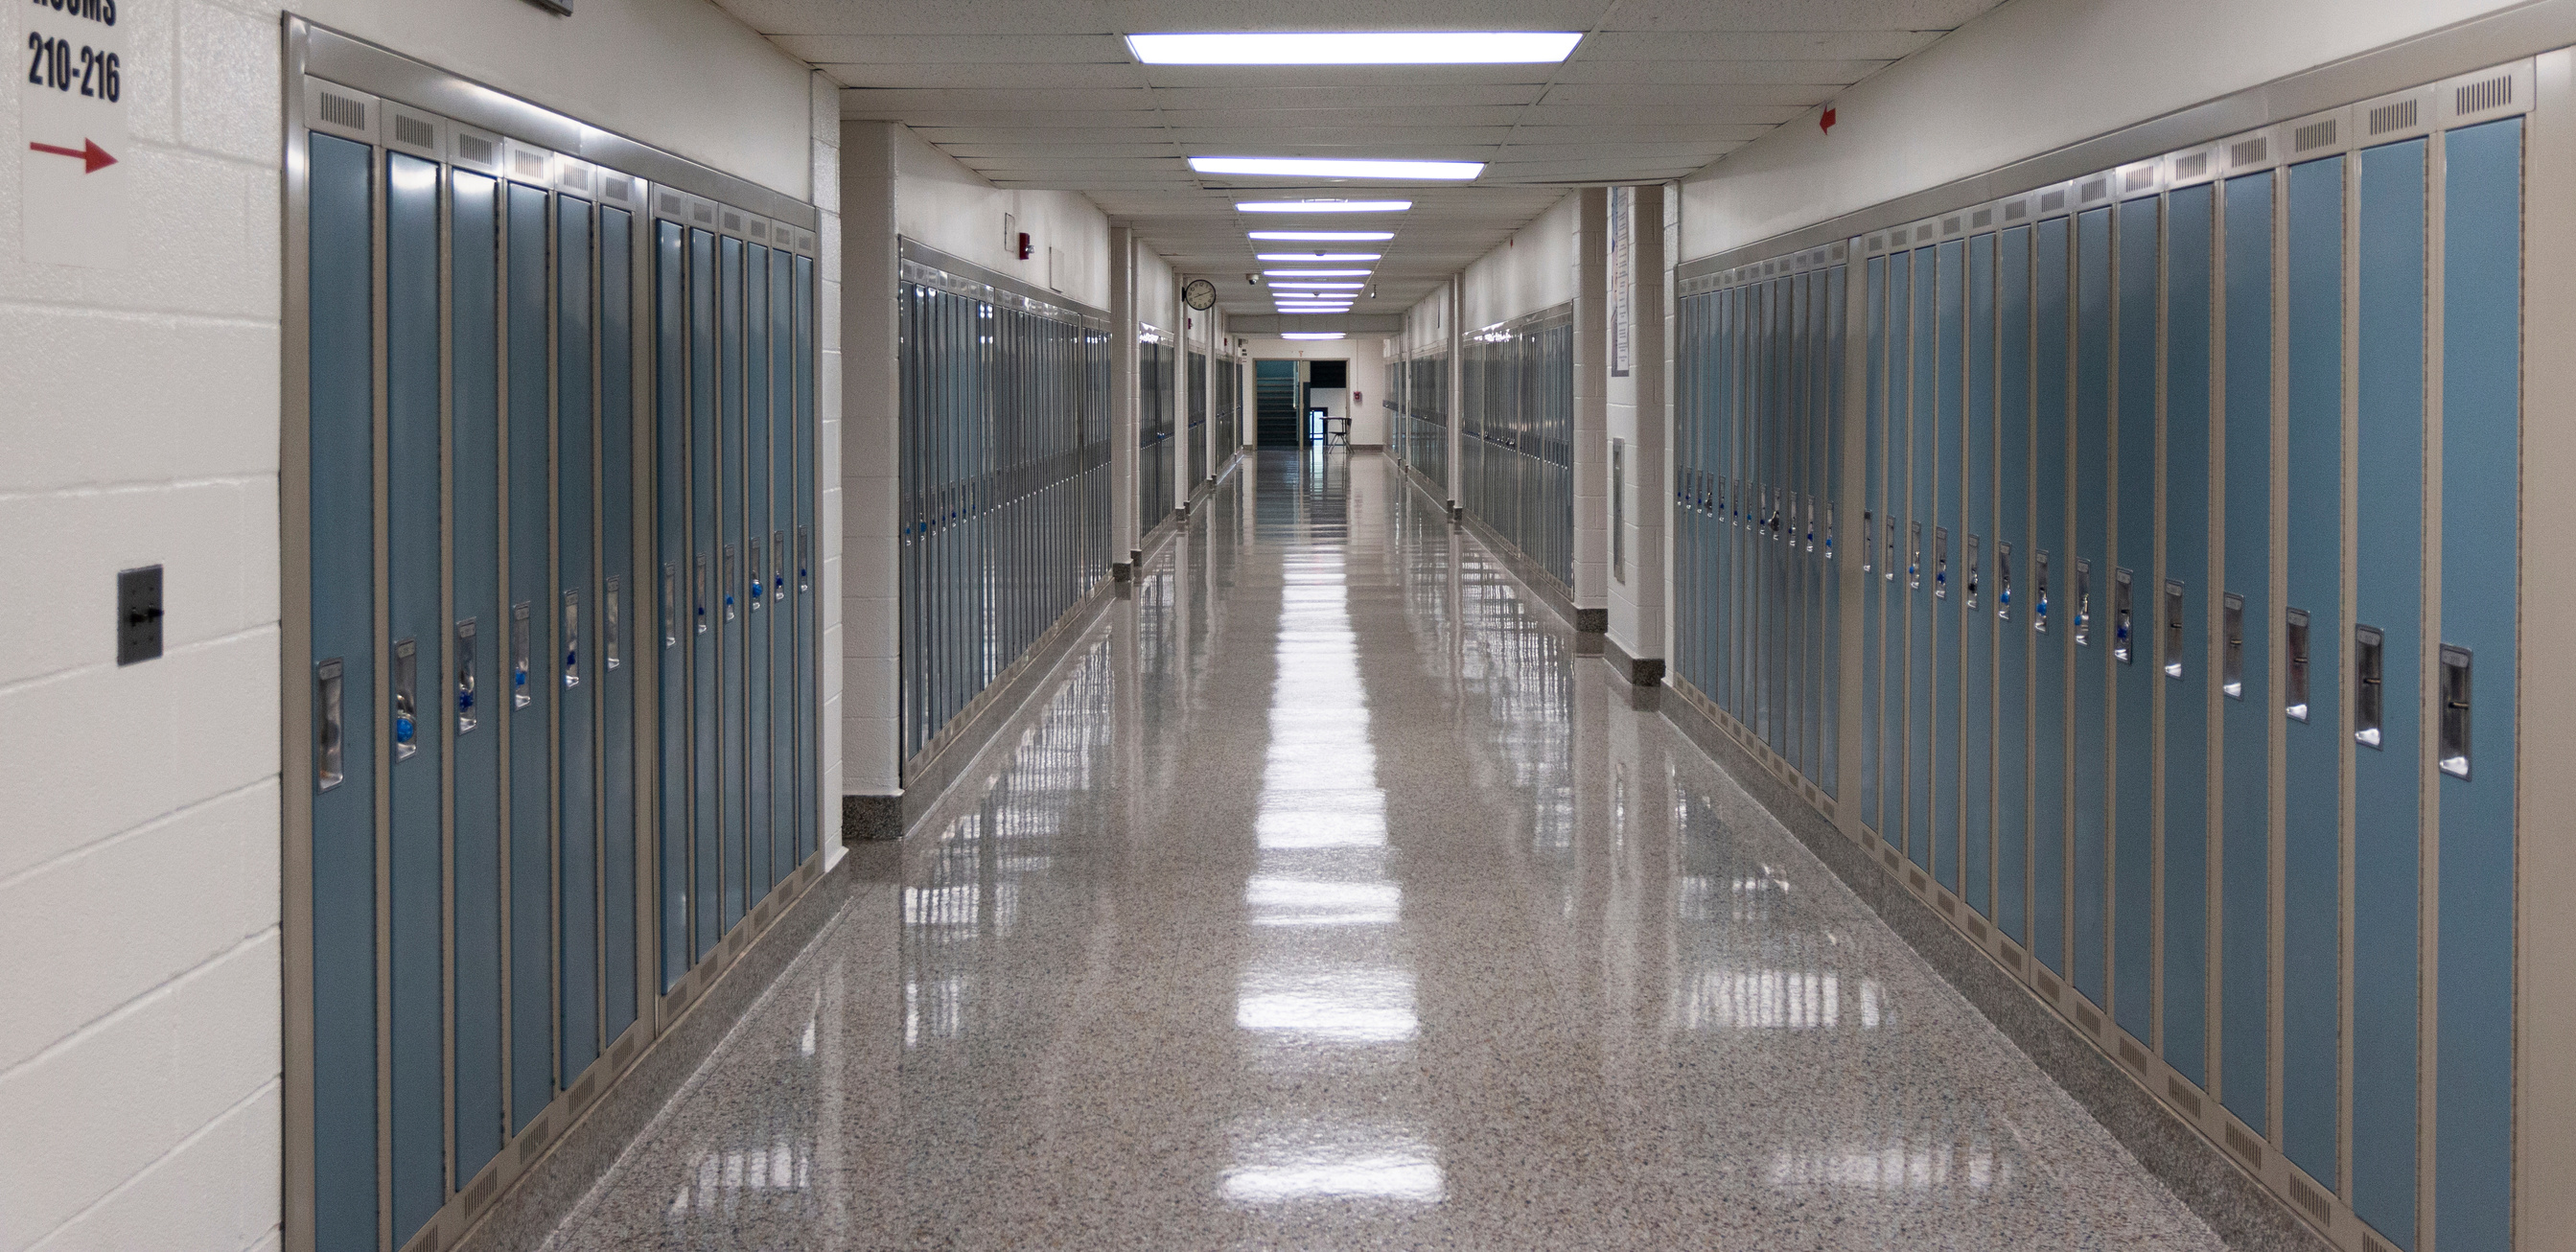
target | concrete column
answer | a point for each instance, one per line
(1123, 528)
(1640, 421)
(871, 493)
(1591, 394)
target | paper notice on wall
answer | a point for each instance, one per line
(1622, 281)
(73, 183)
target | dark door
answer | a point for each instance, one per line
(1275, 399)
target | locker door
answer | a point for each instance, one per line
(576, 660)
(2088, 594)
(673, 594)
(2388, 597)
(705, 839)
(1898, 582)
(2180, 625)
(2480, 608)
(415, 936)
(532, 703)
(342, 525)
(474, 657)
(783, 605)
(2052, 603)
(808, 762)
(1920, 518)
(2009, 580)
(757, 788)
(1976, 621)
(620, 615)
(2132, 598)
(2311, 630)
(731, 561)
(1874, 557)
(1727, 630)
(2245, 648)
(1942, 519)
(1829, 730)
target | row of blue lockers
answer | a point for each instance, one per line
(2183, 579)
(557, 665)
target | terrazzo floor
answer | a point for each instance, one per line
(1326, 900)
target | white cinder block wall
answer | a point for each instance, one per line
(140, 1057)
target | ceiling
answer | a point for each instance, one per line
(1047, 95)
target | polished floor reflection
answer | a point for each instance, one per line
(1327, 901)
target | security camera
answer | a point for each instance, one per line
(1254, 279)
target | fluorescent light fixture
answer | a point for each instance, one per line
(1324, 236)
(1408, 47)
(1310, 334)
(1312, 304)
(1294, 274)
(1310, 312)
(1338, 167)
(1318, 257)
(1323, 206)
(1302, 285)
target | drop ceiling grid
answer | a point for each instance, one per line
(1658, 89)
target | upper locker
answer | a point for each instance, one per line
(476, 522)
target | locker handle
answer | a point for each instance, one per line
(759, 578)
(1973, 571)
(1811, 524)
(778, 564)
(2173, 629)
(1868, 539)
(2454, 756)
(1829, 530)
(1891, 550)
(327, 733)
(2003, 580)
(701, 603)
(2123, 616)
(572, 639)
(804, 561)
(670, 604)
(520, 696)
(2083, 603)
(2231, 672)
(467, 716)
(612, 645)
(1914, 561)
(1940, 562)
(406, 680)
(2039, 587)
(2370, 693)
(2294, 648)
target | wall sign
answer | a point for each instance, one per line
(1623, 284)
(71, 111)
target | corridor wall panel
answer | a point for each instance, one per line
(1517, 432)
(501, 395)
(2188, 615)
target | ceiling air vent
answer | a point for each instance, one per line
(474, 148)
(413, 131)
(2094, 190)
(340, 110)
(2392, 117)
(2192, 166)
(2478, 97)
(2142, 178)
(1922, 232)
(527, 165)
(616, 187)
(733, 221)
(2052, 202)
(1877, 242)
(759, 229)
(703, 214)
(2249, 152)
(1984, 217)
(2313, 135)
(1950, 226)
(670, 204)
(2016, 211)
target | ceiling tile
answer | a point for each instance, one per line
(1754, 46)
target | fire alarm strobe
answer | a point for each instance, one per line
(1200, 294)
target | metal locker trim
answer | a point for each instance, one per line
(2487, 94)
(409, 130)
(2142, 178)
(2396, 116)
(328, 109)
(2251, 151)
(574, 175)
(2315, 135)
(2194, 165)
(527, 164)
(473, 149)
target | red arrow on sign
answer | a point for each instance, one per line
(93, 158)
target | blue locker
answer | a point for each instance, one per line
(731, 482)
(2088, 595)
(2010, 583)
(758, 787)
(2052, 607)
(341, 447)
(1872, 556)
(2311, 631)
(2245, 643)
(2388, 597)
(531, 842)
(2480, 606)
(1920, 515)
(808, 760)
(1829, 729)
(474, 458)
(1897, 584)
(416, 935)
(1940, 512)
(672, 595)
(2180, 624)
(576, 660)
(705, 835)
(1976, 524)
(2132, 607)
(782, 608)
(620, 606)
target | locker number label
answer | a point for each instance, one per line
(71, 98)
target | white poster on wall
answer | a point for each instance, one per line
(73, 184)
(1622, 281)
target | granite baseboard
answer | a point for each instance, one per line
(2240, 1210)
(1637, 671)
(867, 818)
(541, 1198)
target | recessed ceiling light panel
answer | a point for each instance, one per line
(1324, 236)
(1318, 257)
(1322, 206)
(1314, 273)
(1310, 334)
(1338, 167)
(1359, 47)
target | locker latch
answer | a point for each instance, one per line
(2003, 580)
(572, 639)
(2231, 665)
(2369, 691)
(1914, 561)
(2083, 602)
(1810, 512)
(2039, 585)
(2454, 757)
(2294, 647)
(2123, 617)
(328, 736)
(520, 696)
(1940, 562)
(2173, 628)
(703, 623)
(759, 579)
(1868, 540)
(778, 564)
(467, 717)
(804, 561)
(612, 626)
(406, 678)
(1829, 530)
(1890, 575)
(1974, 558)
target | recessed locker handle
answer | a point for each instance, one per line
(2039, 587)
(778, 564)
(759, 579)
(612, 627)
(701, 601)
(406, 678)
(2294, 673)
(1810, 511)
(2173, 628)
(328, 738)
(467, 715)
(2231, 674)
(2123, 616)
(2083, 603)
(1868, 539)
(1829, 530)
(572, 638)
(1891, 550)
(2369, 687)
(1940, 562)
(2003, 580)
(520, 614)
(1973, 571)
(804, 561)
(670, 604)
(1914, 561)
(2455, 711)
